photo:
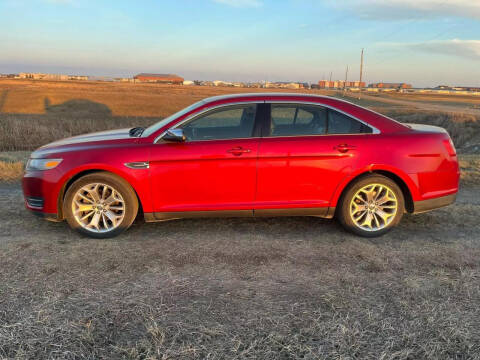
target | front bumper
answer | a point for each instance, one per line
(40, 191)
(46, 216)
(432, 204)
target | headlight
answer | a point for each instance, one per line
(43, 164)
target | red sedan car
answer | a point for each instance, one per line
(247, 155)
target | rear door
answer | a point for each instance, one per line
(214, 169)
(305, 153)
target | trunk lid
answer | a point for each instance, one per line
(427, 128)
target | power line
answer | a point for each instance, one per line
(361, 76)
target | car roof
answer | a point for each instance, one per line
(380, 122)
(264, 95)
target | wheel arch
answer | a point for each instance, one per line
(406, 184)
(81, 173)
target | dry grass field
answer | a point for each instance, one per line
(285, 288)
(33, 113)
(472, 102)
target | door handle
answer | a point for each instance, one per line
(238, 151)
(343, 148)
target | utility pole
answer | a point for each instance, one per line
(361, 76)
(345, 83)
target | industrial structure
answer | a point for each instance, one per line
(159, 78)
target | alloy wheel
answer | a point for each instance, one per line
(98, 207)
(373, 207)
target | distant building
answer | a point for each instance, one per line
(101, 78)
(283, 85)
(78, 77)
(398, 86)
(222, 83)
(326, 84)
(188, 82)
(458, 88)
(124, 79)
(53, 77)
(292, 86)
(40, 76)
(159, 78)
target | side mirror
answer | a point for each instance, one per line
(175, 135)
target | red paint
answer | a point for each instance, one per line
(254, 173)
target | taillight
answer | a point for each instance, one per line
(450, 147)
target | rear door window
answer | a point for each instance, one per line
(297, 120)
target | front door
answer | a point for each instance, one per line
(213, 170)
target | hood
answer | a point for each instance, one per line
(81, 142)
(97, 136)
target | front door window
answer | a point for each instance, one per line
(235, 122)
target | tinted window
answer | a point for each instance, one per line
(291, 120)
(227, 123)
(341, 124)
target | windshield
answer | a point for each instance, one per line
(151, 129)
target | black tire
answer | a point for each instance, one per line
(116, 182)
(343, 209)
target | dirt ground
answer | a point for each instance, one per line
(281, 288)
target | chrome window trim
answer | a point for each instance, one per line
(207, 109)
(374, 129)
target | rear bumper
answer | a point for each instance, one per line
(432, 204)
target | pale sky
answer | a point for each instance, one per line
(423, 42)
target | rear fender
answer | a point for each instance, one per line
(410, 180)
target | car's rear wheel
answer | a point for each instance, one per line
(100, 205)
(371, 206)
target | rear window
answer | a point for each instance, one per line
(339, 123)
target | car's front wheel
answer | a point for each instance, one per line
(371, 206)
(100, 205)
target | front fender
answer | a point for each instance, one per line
(137, 178)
